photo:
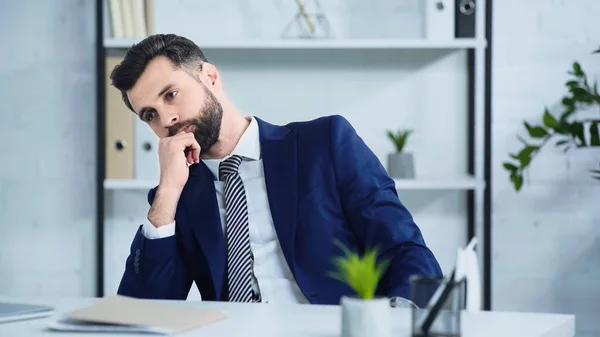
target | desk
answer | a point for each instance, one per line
(276, 320)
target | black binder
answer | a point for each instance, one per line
(464, 18)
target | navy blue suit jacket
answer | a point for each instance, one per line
(323, 184)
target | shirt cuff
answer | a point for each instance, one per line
(151, 232)
(401, 302)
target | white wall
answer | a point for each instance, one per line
(47, 147)
(546, 253)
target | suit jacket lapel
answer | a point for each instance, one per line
(205, 221)
(279, 154)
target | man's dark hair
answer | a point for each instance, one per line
(182, 52)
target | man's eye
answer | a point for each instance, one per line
(171, 95)
(149, 116)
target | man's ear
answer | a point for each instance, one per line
(211, 74)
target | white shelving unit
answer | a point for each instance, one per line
(472, 182)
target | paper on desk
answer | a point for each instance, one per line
(126, 314)
(469, 264)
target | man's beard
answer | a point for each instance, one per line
(207, 125)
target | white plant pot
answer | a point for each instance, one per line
(362, 318)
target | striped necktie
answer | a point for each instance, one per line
(239, 255)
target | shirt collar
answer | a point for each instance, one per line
(248, 147)
(249, 144)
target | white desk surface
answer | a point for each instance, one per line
(276, 320)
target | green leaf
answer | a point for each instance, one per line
(361, 274)
(510, 166)
(577, 131)
(517, 181)
(567, 101)
(572, 83)
(524, 155)
(538, 132)
(577, 69)
(563, 128)
(594, 137)
(549, 120)
(581, 94)
(399, 138)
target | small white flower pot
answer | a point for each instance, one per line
(362, 318)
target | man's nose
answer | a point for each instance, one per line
(171, 118)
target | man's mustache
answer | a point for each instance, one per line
(175, 128)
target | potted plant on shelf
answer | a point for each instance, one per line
(363, 314)
(569, 129)
(400, 163)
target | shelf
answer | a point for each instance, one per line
(465, 43)
(456, 183)
(129, 184)
(449, 183)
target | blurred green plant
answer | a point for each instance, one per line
(567, 130)
(362, 274)
(399, 138)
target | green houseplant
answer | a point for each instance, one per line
(400, 163)
(364, 314)
(567, 130)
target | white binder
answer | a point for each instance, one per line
(146, 166)
(439, 19)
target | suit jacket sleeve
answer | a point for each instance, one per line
(155, 268)
(375, 213)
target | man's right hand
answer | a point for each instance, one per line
(175, 154)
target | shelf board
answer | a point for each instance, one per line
(454, 183)
(448, 183)
(116, 184)
(464, 43)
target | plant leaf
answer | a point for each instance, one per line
(538, 132)
(577, 131)
(549, 120)
(517, 181)
(510, 166)
(594, 137)
(361, 274)
(525, 155)
(571, 84)
(577, 71)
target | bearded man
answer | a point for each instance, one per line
(248, 210)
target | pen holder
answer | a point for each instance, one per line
(447, 322)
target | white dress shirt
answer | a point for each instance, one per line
(272, 276)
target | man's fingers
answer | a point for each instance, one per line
(193, 147)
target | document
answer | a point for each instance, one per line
(125, 314)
